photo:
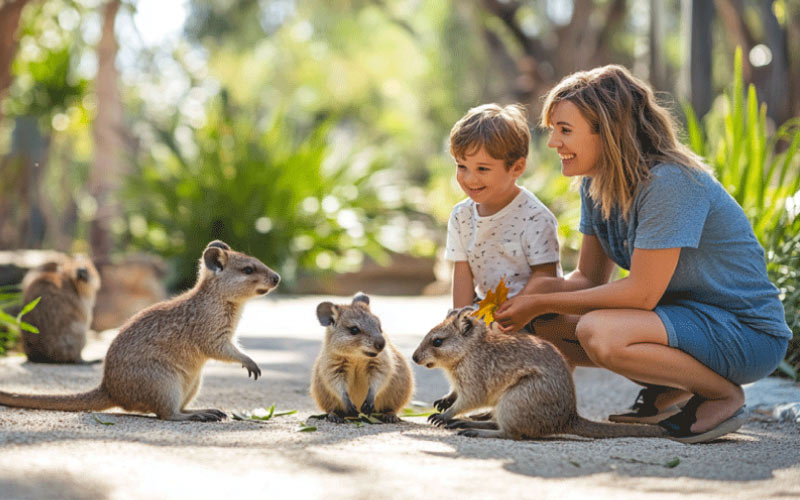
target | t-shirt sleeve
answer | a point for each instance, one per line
(540, 241)
(587, 207)
(454, 248)
(671, 210)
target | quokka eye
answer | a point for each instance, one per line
(248, 270)
(437, 342)
(354, 330)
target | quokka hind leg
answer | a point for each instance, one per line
(168, 404)
(529, 409)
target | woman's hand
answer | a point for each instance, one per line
(516, 312)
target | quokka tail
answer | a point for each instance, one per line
(94, 400)
(588, 428)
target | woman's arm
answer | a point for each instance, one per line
(651, 271)
(594, 268)
(463, 286)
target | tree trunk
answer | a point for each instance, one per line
(10, 12)
(702, 15)
(777, 90)
(658, 69)
(107, 168)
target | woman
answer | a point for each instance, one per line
(696, 316)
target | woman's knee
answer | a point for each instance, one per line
(598, 339)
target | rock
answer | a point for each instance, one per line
(787, 412)
(128, 285)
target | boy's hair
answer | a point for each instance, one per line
(636, 132)
(502, 131)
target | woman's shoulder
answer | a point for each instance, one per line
(675, 172)
(680, 179)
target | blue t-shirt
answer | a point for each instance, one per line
(721, 262)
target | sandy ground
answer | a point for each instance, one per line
(46, 454)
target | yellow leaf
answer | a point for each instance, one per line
(491, 302)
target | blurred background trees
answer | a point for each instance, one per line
(314, 133)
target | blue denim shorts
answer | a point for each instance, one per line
(718, 339)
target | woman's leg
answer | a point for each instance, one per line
(634, 344)
(560, 331)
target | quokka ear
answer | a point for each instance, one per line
(215, 258)
(219, 244)
(327, 313)
(467, 322)
(361, 298)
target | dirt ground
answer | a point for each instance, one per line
(46, 454)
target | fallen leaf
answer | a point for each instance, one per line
(97, 419)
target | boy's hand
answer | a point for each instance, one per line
(516, 312)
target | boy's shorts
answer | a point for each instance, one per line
(718, 339)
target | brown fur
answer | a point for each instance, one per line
(523, 378)
(155, 363)
(68, 290)
(358, 368)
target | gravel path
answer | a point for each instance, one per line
(46, 454)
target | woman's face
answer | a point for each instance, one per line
(574, 140)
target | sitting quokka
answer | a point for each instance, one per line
(68, 290)
(358, 369)
(155, 363)
(523, 378)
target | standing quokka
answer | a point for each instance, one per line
(155, 363)
(523, 378)
(358, 369)
(68, 290)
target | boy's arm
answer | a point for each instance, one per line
(544, 279)
(463, 286)
(594, 269)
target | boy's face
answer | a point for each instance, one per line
(487, 181)
(572, 136)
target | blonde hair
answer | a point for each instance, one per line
(502, 131)
(636, 132)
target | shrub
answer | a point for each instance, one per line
(761, 170)
(270, 190)
(11, 326)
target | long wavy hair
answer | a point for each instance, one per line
(636, 132)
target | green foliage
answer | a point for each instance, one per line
(266, 187)
(11, 326)
(761, 170)
(746, 158)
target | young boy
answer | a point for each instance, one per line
(502, 230)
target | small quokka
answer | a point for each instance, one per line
(155, 363)
(523, 378)
(358, 368)
(68, 290)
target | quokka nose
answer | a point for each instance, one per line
(380, 344)
(274, 279)
(415, 357)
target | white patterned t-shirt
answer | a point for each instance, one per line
(506, 244)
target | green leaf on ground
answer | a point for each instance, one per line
(418, 411)
(97, 419)
(573, 463)
(671, 464)
(261, 414)
(305, 428)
